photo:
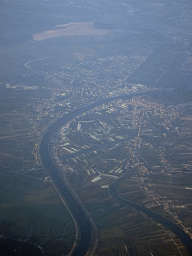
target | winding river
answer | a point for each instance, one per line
(87, 234)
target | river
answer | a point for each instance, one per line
(113, 190)
(86, 231)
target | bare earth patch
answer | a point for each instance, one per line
(71, 29)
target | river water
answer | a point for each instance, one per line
(85, 227)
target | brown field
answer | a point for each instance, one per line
(71, 29)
